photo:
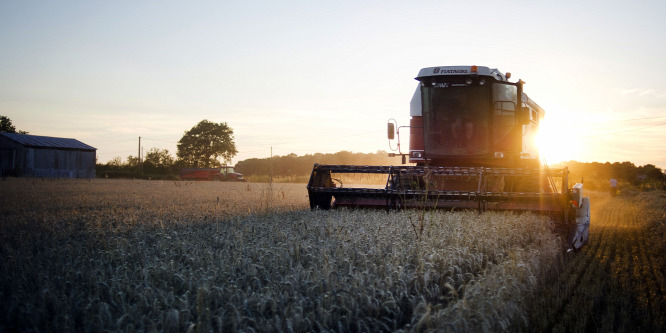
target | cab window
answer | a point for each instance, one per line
(505, 99)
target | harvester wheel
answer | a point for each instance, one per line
(321, 201)
(393, 203)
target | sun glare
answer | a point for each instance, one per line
(555, 144)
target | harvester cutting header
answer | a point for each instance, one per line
(471, 138)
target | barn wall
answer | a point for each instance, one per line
(12, 162)
(60, 163)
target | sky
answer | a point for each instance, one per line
(324, 76)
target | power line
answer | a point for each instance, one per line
(631, 119)
(158, 140)
(258, 150)
(629, 130)
(315, 150)
(310, 141)
(113, 143)
(116, 152)
(609, 124)
(254, 151)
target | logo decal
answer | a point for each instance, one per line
(438, 70)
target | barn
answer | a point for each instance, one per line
(44, 156)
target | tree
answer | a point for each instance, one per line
(132, 162)
(651, 172)
(7, 127)
(202, 145)
(115, 163)
(158, 161)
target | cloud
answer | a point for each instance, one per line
(640, 92)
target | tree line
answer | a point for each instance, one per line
(296, 167)
(6, 126)
(596, 175)
(159, 164)
(209, 145)
(206, 145)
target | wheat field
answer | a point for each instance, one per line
(123, 255)
(616, 283)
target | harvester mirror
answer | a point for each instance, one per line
(391, 131)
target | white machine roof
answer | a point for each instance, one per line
(415, 103)
(460, 70)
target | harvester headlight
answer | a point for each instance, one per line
(499, 154)
(482, 82)
(468, 81)
(417, 154)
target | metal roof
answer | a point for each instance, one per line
(47, 141)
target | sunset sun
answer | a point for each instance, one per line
(555, 144)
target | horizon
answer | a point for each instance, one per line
(557, 164)
(303, 78)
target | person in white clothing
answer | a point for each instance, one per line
(613, 187)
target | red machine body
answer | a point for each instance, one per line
(221, 174)
(471, 138)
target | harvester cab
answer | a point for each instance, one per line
(472, 116)
(471, 145)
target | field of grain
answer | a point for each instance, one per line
(617, 282)
(123, 255)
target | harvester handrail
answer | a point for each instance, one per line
(485, 194)
(340, 168)
(440, 171)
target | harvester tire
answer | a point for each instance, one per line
(321, 201)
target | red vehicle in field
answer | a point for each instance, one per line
(471, 138)
(221, 173)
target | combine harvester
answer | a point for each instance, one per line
(471, 138)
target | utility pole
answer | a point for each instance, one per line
(271, 177)
(138, 156)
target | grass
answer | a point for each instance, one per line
(122, 255)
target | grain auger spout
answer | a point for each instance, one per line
(471, 146)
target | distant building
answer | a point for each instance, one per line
(43, 156)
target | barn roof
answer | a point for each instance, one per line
(47, 141)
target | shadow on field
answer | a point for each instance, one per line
(616, 283)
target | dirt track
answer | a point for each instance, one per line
(616, 283)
